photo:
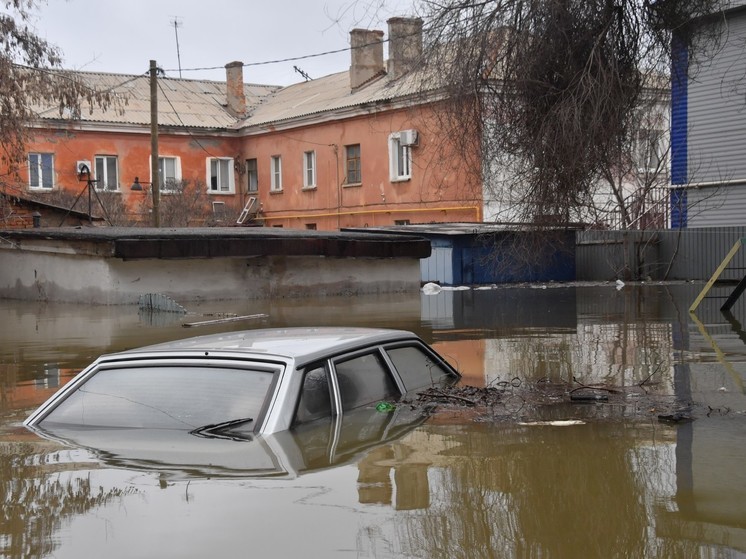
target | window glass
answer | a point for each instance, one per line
(164, 398)
(220, 175)
(106, 173)
(315, 399)
(353, 171)
(400, 157)
(417, 368)
(363, 380)
(251, 176)
(167, 173)
(41, 170)
(309, 169)
(276, 173)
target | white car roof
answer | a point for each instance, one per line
(302, 344)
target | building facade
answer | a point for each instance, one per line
(708, 167)
(353, 149)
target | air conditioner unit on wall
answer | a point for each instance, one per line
(409, 137)
(80, 165)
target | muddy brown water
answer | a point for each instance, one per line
(533, 474)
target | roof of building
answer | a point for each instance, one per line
(328, 94)
(181, 102)
(203, 104)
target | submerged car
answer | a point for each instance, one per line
(242, 384)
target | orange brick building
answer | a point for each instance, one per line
(353, 149)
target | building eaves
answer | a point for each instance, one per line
(181, 103)
(331, 94)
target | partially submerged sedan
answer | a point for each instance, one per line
(241, 384)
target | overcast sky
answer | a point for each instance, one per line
(122, 36)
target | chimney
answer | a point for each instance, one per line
(236, 100)
(367, 56)
(405, 45)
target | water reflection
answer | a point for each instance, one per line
(617, 486)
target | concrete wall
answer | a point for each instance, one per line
(56, 276)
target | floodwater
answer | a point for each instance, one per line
(617, 482)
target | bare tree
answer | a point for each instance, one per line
(183, 204)
(28, 80)
(550, 89)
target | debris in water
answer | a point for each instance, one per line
(384, 407)
(223, 320)
(431, 288)
(556, 423)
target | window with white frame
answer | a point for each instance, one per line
(107, 173)
(41, 170)
(221, 178)
(169, 173)
(276, 173)
(252, 176)
(309, 169)
(400, 158)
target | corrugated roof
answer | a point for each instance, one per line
(181, 102)
(327, 94)
(202, 103)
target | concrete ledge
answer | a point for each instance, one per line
(132, 243)
(110, 266)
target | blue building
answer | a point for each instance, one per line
(708, 125)
(484, 253)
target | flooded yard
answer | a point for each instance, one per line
(617, 430)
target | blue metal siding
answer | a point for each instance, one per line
(679, 104)
(679, 107)
(473, 259)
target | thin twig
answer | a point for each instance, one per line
(650, 375)
(453, 396)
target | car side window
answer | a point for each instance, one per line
(363, 380)
(315, 399)
(417, 368)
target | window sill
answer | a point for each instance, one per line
(352, 185)
(307, 188)
(220, 193)
(401, 179)
(41, 188)
(279, 191)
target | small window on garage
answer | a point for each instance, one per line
(315, 401)
(418, 368)
(363, 380)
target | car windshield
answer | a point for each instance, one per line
(175, 397)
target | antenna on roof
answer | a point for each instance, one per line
(302, 73)
(176, 23)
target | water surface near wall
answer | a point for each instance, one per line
(620, 484)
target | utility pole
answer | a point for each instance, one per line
(156, 182)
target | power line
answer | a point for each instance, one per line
(290, 59)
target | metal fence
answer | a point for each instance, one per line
(685, 254)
